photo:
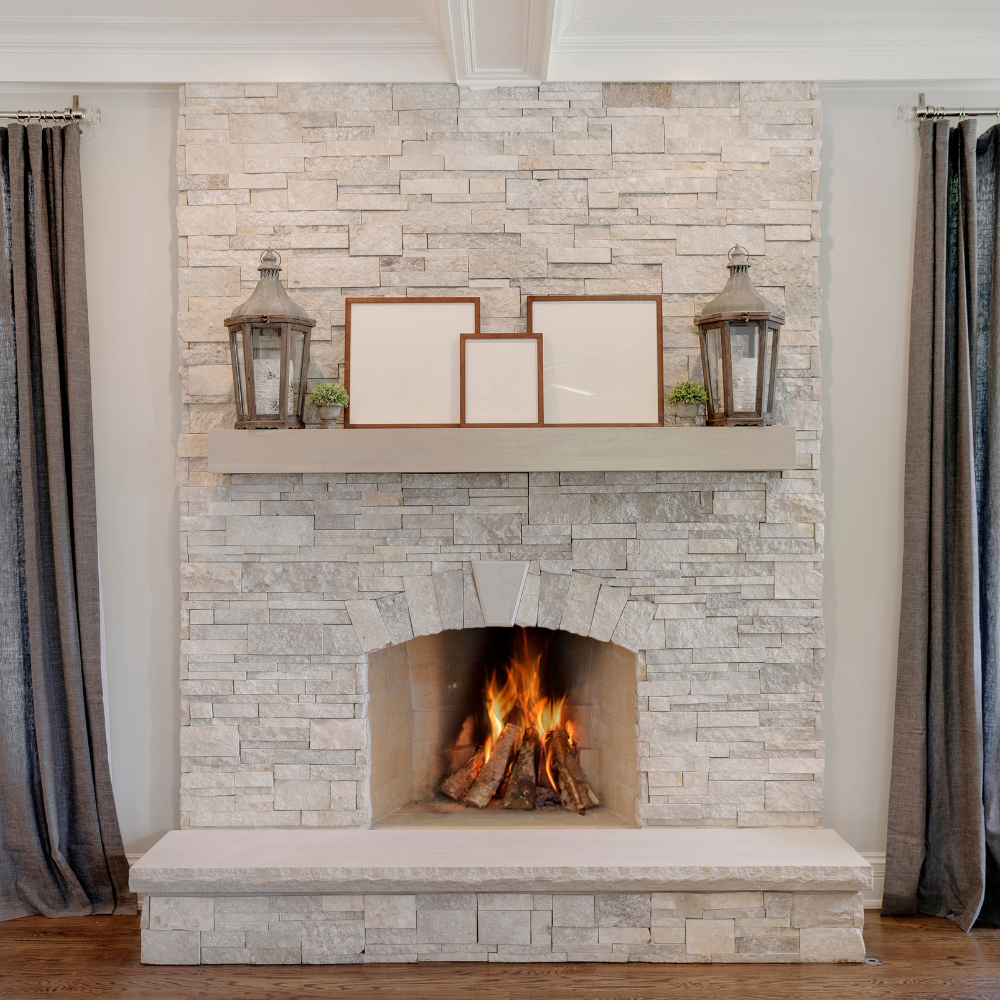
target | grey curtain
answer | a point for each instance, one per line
(60, 847)
(944, 815)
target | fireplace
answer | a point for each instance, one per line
(335, 637)
(554, 711)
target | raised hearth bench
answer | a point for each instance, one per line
(289, 896)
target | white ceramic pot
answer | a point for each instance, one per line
(329, 415)
(687, 414)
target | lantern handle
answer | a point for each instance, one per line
(270, 250)
(737, 248)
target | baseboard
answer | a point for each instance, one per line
(139, 896)
(873, 896)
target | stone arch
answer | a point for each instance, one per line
(573, 602)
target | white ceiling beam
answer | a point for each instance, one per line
(646, 40)
(368, 42)
(499, 43)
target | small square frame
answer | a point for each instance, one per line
(497, 337)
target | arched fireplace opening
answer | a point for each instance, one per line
(495, 727)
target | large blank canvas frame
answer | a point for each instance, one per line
(402, 358)
(613, 357)
(523, 377)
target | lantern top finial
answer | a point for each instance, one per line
(739, 296)
(269, 298)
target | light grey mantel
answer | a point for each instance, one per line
(505, 449)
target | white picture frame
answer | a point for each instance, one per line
(402, 360)
(501, 378)
(602, 359)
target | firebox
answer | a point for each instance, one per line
(496, 727)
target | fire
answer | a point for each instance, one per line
(519, 699)
(525, 718)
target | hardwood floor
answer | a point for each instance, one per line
(923, 958)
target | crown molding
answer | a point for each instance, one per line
(490, 43)
(638, 40)
(116, 49)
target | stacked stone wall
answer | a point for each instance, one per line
(288, 581)
(701, 927)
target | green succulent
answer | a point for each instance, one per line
(329, 394)
(688, 392)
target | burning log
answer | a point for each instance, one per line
(494, 769)
(574, 791)
(456, 786)
(462, 748)
(520, 792)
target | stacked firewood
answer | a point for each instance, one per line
(517, 770)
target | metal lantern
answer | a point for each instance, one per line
(739, 332)
(269, 344)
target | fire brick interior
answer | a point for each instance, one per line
(422, 691)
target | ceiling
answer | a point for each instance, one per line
(486, 43)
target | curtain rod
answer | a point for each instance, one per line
(88, 116)
(922, 111)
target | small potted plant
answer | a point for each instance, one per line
(329, 398)
(687, 399)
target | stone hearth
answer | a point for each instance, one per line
(343, 896)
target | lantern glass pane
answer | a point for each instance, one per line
(295, 348)
(743, 344)
(236, 347)
(769, 349)
(266, 346)
(713, 377)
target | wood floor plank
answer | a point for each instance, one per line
(923, 959)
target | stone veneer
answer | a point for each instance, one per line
(504, 927)
(290, 580)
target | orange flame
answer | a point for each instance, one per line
(548, 751)
(519, 699)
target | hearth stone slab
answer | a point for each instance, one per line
(272, 861)
(722, 927)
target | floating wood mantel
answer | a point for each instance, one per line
(505, 449)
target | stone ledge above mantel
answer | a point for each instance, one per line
(520, 449)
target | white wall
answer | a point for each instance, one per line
(129, 185)
(129, 193)
(868, 188)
